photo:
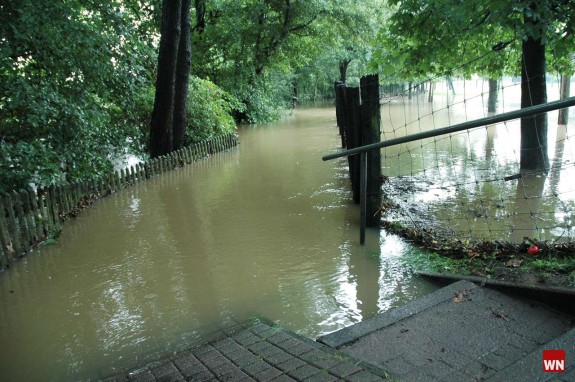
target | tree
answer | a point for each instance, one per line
(169, 115)
(70, 91)
(434, 35)
(533, 92)
(263, 52)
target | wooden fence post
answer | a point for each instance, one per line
(53, 207)
(340, 110)
(13, 226)
(5, 239)
(29, 216)
(371, 133)
(352, 137)
(24, 232)
(45, 211)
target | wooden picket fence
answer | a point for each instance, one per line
(29, 218)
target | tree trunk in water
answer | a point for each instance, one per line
(161, 139)
(533, 92)
(430, 95)
(493, 96)
(565, 90)
(182, 77)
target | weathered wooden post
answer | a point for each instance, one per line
(352, 137)
(371, 133)
(340, 109)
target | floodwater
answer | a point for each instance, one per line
(467, 184)
(266, 229)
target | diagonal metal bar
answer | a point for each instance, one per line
(525, 112)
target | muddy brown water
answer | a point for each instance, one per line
(266, 229)
(456, 183)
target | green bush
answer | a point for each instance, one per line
(209, 111)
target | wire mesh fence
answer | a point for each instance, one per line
(470, 186)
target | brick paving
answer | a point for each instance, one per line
(462, 332)
(256, 351)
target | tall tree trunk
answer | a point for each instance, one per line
(200, 6)
(343, 65)
(565, 90)
(493, 96)
(533, 92)
(161, 138)
(182, 77)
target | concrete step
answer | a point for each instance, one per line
(530, 367)
(462, 332)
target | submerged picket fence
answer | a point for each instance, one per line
(29, 218)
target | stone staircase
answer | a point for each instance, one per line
(462, 332)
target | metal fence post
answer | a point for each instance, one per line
(363, 196)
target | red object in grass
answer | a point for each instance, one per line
(533, 250)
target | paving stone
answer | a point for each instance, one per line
(247, 360)
(283, 378)
(344, 369)
(500, 358)
(267, 374)
(186, 360)
(145, 376)
(290, 364)
(324, 376)
(197, 372)
(224, 343)
(320, 359)
(203, 376)
(399, 366)
(234, 376)
(166, 373)
(278, 338)
(434, 372)
(262, 330)
(363, 376)
(236, 353)
(257, 347)
(288, 344)
(278, 357)
(203, 349)
(225, 368)
(299, 349)
(304, 372)
(212, 359)
(248, 340)
(255, 367)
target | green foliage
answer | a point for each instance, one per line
(553, 264)
(209, 111)
(71, 73)
(78, 77)
(265, 53)
(437, 38)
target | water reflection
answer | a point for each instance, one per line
(468, 184)
(264, 230)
